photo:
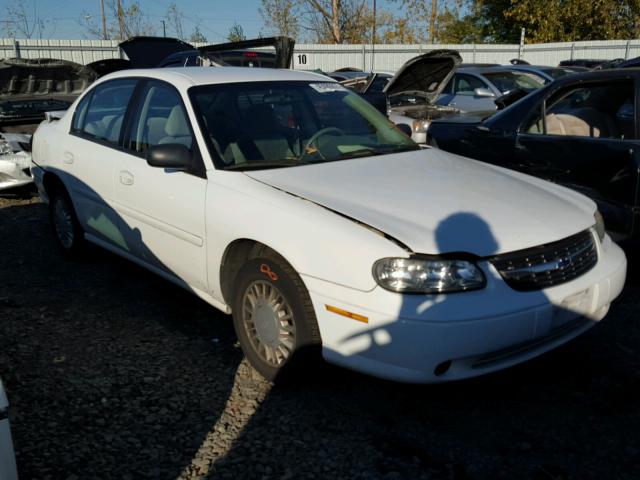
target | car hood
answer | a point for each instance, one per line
(425, 75)
(23, 78)
(435, 202)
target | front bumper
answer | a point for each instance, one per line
(428, 338)
(14, 170)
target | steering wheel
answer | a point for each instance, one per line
(315, 137)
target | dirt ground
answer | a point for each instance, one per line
(114, 373)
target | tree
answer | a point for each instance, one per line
(337, 21)
(197, 36)
(236, 33)
(424, 12)
(574, 20)
(174, 18)
(21, 22)
(281, 17)
(124, 22)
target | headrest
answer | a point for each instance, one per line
(177, 125)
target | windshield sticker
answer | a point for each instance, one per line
(327, 87)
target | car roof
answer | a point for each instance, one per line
(185, 77)
(483, 70)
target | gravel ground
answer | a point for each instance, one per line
(115, 373)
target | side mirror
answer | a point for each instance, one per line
(169, 155)
(404, 128)
(483, 92)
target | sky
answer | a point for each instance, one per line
(213, 17)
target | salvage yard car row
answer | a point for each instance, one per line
(289, 201)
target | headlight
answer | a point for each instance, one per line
(420, 126)
(417, 275)
(599, 226)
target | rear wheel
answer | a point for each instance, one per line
(66, 228)
(274, 319)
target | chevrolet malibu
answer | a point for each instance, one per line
(286, 200)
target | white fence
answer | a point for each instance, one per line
(332, 57)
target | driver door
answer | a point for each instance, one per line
(162, 211)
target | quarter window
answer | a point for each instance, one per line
(105, 113)
(80, 114)
(597, 111)
(160, 118)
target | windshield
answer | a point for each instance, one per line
(510, 80)
(278, 124)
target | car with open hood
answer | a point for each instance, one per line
(28, 89)
(414, 89)
(287, 200)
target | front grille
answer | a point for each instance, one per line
(548, 265)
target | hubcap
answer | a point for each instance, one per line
(63, 222)
(268, 321)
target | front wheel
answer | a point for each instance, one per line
(66, 228)
(274, 319)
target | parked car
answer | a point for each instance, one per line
(414, 89)
(287, 200)
(29, 88)
(580, 131)
(8, 469)
(589, 63)
(369, 86)
(148, 52)
(630, 63)
(475, 89)
(547, 74)
(452, 88)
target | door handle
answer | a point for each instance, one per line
(68, 158)
(126, 178)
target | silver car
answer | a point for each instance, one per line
(475, 89)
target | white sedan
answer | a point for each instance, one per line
(284, 199)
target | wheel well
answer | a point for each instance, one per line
(235, 256)
(52, 182)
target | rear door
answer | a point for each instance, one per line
(162, 211)
(585, 137)
(89, 155)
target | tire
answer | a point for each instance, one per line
(64, 222)
(274, 319)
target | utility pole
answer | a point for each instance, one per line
(104, 21)
(121, 20)
(373, 36)
(164, 28)
(432, 21)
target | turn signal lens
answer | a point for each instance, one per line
(599, 226)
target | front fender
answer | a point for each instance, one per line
(316, 242)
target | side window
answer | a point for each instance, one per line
(466, 85)
(596, 111)
(160, 118)
(104, 115)
(80, 114)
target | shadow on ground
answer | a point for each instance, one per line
(115, 373)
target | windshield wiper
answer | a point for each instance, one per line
(373, 151)
(261, 165)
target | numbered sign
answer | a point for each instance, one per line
(301, 61)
